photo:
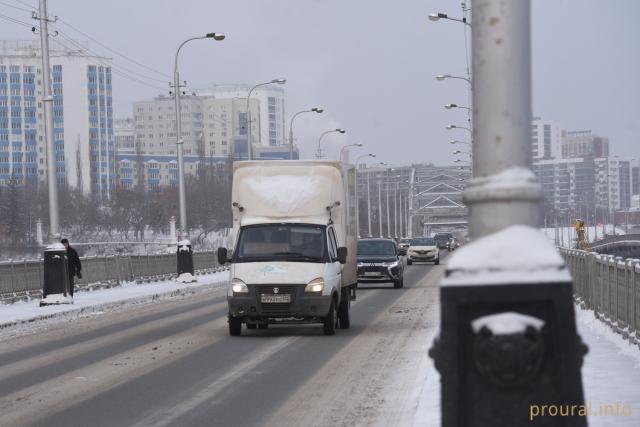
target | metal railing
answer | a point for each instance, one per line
(630, 239)
(24, 277)
(610, 286)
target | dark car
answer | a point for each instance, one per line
(443, 240)
(379, 261)
(403, 246)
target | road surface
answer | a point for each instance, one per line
(173, 363)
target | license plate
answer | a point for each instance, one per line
(372, 273)
(274, 299)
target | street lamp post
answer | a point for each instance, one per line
(318, 110)
(455, 141)
(438, 16)
(179, 140)
(342, 150)
(441, 77)
(184, 253)
(450, 106)
(319, 153)
(249, 144)
(380, 202)
(358, 199)
(449, 127)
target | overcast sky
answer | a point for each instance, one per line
(370, 63)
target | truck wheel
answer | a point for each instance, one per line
(409, 262)
(235, 326)
(330, 320)
(398, 283)
(344, 316)
(251, 325)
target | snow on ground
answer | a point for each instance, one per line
(567, 235)
(22, 316)
(610, 374)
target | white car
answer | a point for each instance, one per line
(423, 249)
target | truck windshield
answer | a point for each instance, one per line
(281, 242)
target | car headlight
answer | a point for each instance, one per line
(360, 264)
(239, 287)
(315, 286)
(390, 264)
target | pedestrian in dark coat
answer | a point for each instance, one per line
(74, 265)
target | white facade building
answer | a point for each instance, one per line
(82, 116)
(271, 107)
(546, 140)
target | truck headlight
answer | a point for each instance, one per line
(239, 287)
(315, 286)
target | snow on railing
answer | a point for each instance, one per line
(610, 286)
(23, 278)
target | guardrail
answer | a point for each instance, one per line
(618, 239)
(610, 286)
(23, 278)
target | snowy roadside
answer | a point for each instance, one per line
(23, 315)
(610, 374)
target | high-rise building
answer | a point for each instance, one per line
(613, 181)
(124, 136)
(584, 143)
(546, 140)
(82, 116)
(271, 123)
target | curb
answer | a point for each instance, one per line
(188, 290)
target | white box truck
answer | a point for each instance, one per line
(294, 252)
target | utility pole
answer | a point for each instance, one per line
(388, 216)
(400, 197)
(380, 206)
(369, 201)
(395, 211)
(54, 222)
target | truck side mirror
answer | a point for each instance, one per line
(222, 256)
(342, 255)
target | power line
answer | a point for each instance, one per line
(112, 50)
(95, 59)
(16, 7)
(125, 69)
(15, 21)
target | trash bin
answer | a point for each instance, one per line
(55, 283)
(185, 257)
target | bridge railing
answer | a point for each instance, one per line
(23, 278)
(617, 239)
(610, 286)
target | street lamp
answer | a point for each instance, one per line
(450, 106)
(318, 110)
(319, 153)
(179, 140)
(347, 146)
(449, 127)
(439, 16)
(368, 196)
(461, 152)
(441, 77)
(456, 141)
(249, 145)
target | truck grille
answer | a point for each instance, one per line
(276, 309)
(282, 289)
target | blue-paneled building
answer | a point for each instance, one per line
(81, 85)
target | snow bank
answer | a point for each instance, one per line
(517, 254)
(105, 300)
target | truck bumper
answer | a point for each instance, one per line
(302, 305)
